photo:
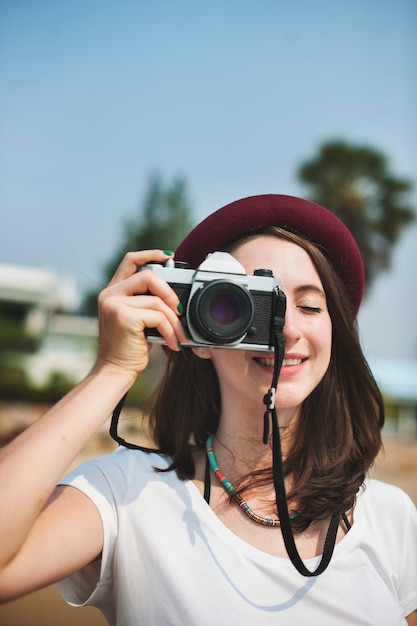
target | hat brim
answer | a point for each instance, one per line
(249, 215)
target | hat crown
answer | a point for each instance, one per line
(254, 213)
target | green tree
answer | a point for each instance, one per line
(356, 184)
(162, 222)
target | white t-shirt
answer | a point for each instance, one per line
(169, 560)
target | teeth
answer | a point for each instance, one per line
(292, 361)
(268, 362)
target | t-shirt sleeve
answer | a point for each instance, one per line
(93, 584)
(407, 584)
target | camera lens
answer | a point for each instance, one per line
(221, 312)
(224, 310)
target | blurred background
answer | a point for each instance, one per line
(122, 124)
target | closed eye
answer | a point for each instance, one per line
(310, 309)
(308, 296)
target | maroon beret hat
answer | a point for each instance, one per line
(307, 218)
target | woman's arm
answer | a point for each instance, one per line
(412, 619)
(43, 536)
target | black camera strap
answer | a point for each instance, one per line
(278, 471)
(270, 416)
(114, 434)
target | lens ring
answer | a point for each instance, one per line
(221, 311)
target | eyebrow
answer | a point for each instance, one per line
(310, 288)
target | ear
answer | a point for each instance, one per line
(202, 353)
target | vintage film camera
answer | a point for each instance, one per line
(223, 307)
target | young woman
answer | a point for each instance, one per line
(254, 506)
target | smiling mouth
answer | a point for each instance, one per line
(269, 361)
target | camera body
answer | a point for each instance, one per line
(223, 307)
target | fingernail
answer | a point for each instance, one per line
(180, 308)
(168, 252)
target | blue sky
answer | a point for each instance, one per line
(97, 95)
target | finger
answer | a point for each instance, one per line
(139, 312)
(133, 260)
(144, 283)
(152, 303)
(157, 321)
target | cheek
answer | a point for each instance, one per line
(327, 339)
(229, 364)
(321, 337)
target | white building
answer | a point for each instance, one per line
(39, 331)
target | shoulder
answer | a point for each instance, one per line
(378, 491)
(114, 474)
(125, 459)
(385, 533)
(385, 503)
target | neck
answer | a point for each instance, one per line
(238, 443)
(241, 454)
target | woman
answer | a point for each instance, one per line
(164, 537)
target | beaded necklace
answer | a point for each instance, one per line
(227, 485)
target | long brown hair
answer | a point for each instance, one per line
(337, 436)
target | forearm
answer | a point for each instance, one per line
(32, 464)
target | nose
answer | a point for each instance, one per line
(291, 330)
